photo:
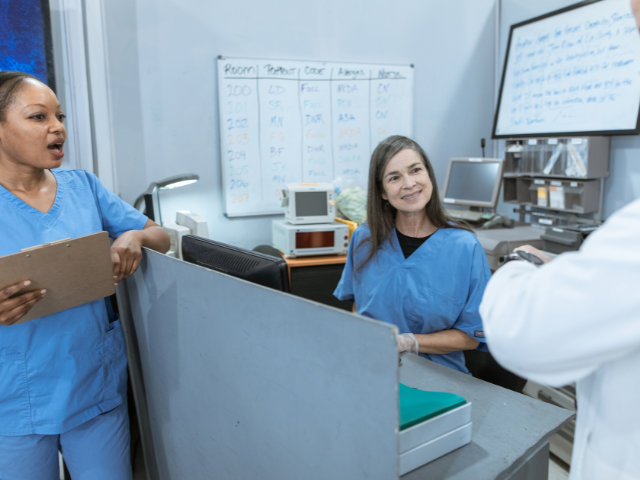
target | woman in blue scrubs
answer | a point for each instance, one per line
(410, 265)
(62, 377)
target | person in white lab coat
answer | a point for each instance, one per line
(577, 319)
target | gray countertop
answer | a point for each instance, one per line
(507, 426)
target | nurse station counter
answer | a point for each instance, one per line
(235, 380)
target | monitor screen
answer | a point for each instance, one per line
(251, 266)
(311, 204)
(473, 182)
(573, 71)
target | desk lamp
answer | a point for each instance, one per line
(151, 198)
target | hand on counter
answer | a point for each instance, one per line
(126, 251)
(407, 342)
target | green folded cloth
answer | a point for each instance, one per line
(417, 406)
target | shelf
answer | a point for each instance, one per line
(561, 157)
(550, 177)
(529, 204)
(557, 210)
(581, 196)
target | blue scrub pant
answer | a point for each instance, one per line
(96, 450)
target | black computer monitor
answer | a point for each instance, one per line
(251, 266)
(473, 182)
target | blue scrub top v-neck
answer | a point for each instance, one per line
(58, 371)
(439, 287)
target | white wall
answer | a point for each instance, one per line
(623, 184)
(164, 94)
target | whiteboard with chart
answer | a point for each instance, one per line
(295, 121)
(575, 71)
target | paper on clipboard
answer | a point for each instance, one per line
(73, 272)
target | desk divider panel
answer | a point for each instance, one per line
(236, 381)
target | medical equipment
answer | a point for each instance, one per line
(306, 203)
(498, 243)
(176, 232)
(193, 222)
(304, 240)
(186, 223)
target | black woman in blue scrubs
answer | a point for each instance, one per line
(63, 376)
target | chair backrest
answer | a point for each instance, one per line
(268, 250)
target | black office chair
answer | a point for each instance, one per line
(483, 366)
(268, 250)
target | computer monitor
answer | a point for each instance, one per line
(251, 266)
(473, 182)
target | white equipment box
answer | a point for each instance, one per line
(306, 240)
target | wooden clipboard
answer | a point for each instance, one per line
(73, 272)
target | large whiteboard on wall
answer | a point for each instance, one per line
(574, 71)
(297, 121)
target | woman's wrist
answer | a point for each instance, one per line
(445, 341)
(154, 237)
(141, 236)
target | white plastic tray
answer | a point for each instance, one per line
(434, 438)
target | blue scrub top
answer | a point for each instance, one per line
(61, 370)
(437, 288)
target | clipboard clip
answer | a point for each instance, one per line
(45, 244)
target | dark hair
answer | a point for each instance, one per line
(10, 83)
(381, 214)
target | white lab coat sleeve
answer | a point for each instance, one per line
(558, 323)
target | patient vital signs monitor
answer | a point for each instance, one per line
(473, 182)
(306, 203)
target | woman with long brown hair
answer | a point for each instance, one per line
(411, 265)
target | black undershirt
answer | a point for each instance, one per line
(410, 244)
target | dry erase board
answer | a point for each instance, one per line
(296, 121)
(575, 71)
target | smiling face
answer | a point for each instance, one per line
(406, 182)
(32, 133)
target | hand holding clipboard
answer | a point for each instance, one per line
(72, 272)
(13, 306)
